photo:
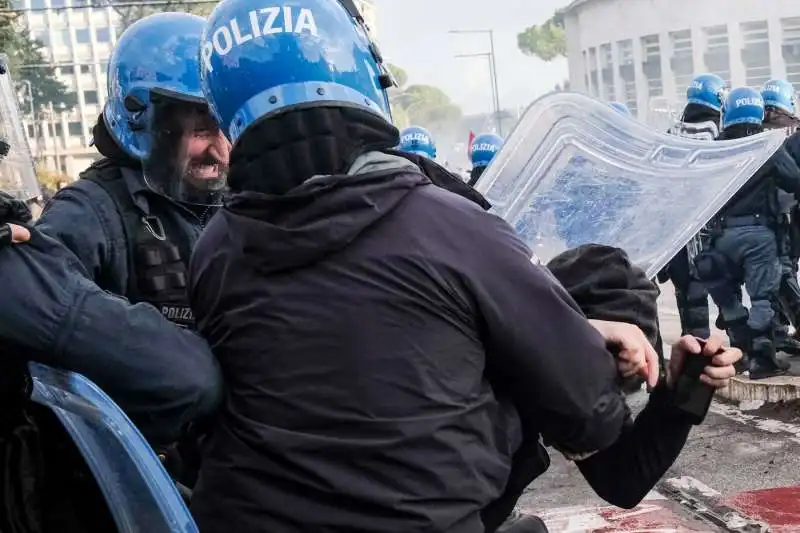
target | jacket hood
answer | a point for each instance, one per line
(321, 216)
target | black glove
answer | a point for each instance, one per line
(11, 210)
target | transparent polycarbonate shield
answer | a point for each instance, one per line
(662, 114)
(139, 492)
(701, 131)
(574, 171)
(17, 169)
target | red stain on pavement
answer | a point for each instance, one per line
(780, 508)
(661, 516)
(661, 519)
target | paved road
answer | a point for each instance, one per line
(729, 456)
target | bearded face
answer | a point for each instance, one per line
(189, 157)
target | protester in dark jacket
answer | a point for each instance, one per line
(387, 345)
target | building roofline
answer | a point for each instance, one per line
(572, 6)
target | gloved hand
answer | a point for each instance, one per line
(13, 215)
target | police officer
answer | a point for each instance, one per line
(133, 217)
(417, 140)
(52, 312)
(483, 149)
(700, 120)
(744, 245)
(361, 314)
(779, 113)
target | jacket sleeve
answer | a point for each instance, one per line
(162, 376)
(78, 216)
(787, 171)
(646, 449)
(540, 348)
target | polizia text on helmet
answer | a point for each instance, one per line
(261, 22)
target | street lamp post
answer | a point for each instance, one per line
(492, 73)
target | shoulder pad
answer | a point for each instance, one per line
(102, 169)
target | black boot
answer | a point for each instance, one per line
(787, 343)
(764, 362)
(739, 335)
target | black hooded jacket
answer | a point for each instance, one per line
(361, 322)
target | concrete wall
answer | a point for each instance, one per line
(756, 39)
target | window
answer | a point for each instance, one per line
(67, 70)
(625, 52)
(86, 69)
(651, 49)
(31, 131)
(61, 37)
(90, 97)
(755, 55)
(37, 4)
(59, 129)
(791, 44)
(75, 128)
(58, 3)
(103, 35)
(82, 36)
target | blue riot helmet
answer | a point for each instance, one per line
(481, 153)
(779, 94)
(417, 140)
(156, 111)
(484, 148)
(707, 90)
(261, 62)
(743, 106)
(622, 108)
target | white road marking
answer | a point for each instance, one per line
(762, 424)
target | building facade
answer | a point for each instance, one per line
(642, 51)
(78, 41)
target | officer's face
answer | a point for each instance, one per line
(205, 147)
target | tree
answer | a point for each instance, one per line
(547, 42)
(129, 12)
(28, 65)
(425, 105)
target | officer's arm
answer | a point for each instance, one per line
(74, 217)
(540, 348)
(161, 375)
(787, 171)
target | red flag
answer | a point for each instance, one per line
(469, 144)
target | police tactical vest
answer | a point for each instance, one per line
(157, 271)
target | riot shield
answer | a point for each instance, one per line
(139, 492)
(574, 171)
(662, 114)
(17, 170)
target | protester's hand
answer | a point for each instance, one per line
(13, 234)
(719, 370)
(636, 355)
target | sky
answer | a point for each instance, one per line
(413, 34)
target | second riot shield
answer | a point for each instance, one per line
(17, 170)
(139, 492)
(574, 171)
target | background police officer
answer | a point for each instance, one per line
(482, 151)
(744, 243)
(418, 141)
(700, 120)
(779, 106)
